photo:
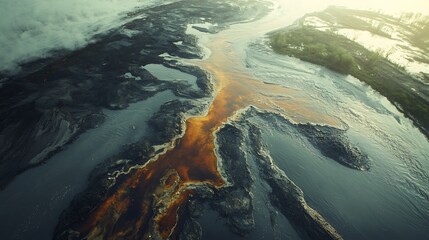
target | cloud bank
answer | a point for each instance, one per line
(31, 29)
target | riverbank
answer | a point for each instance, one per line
(124, 72)
(52, 102)
(246, 143)
(166, 185)
(317, 45)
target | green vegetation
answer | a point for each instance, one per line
(307, 44)
(347, 57)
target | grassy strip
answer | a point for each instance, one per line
(347, 57)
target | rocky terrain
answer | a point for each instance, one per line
(333, 143)
(234, 202)
(52, 101)
(239, 165)
(247, 152)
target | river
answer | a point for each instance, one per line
(389, 201)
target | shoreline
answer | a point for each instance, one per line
(202, 148)
(194, 159)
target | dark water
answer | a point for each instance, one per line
(31, 204)
(269, 222)
(388, 202)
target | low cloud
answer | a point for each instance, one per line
(31, 29)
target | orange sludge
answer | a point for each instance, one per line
(151, 197)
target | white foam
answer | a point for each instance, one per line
(201, 36)
(129, 75)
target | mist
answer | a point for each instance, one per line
(32, 29)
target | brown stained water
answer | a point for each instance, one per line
(151, 197)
